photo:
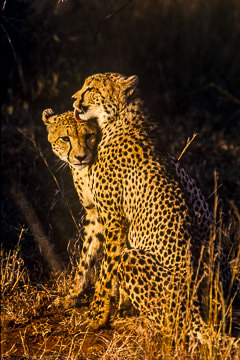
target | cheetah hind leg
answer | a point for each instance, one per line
(125, 307)
(151, 291)
(140, 281)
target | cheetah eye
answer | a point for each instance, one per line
(65, 138)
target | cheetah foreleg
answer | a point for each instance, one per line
(101, 304)
(93, 242)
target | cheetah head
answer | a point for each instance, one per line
(103, 96)
(73, 142)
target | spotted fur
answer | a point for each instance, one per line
(153, 217)
(76, 144)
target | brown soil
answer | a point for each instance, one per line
(49, 334)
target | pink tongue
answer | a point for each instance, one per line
(76, 115)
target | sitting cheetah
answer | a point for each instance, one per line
(58, 134)
(76, 144)
(153, 234)
(150, 227)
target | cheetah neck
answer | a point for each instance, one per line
(129, 116)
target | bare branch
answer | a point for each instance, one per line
(36, 227)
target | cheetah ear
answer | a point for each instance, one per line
(130, 85)
(48, 117)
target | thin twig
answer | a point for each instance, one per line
(225, 93)
(222, 91)
(10, 43)
(189, 141)
(110, 15)
(4, 4)
(19, 67)
(235, 210)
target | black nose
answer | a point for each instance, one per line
(81, 158)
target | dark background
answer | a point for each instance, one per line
(187, 56)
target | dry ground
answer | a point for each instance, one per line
(187, 59)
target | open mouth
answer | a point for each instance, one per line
(77, 115)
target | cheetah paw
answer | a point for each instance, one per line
(66, 302)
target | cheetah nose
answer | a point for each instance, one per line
(82, 159)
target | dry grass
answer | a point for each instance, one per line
(34, 328)
(185, 55)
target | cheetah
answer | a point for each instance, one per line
(76, 143)
(153, 233)
(58, 134)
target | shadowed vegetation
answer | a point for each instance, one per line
(187, 59)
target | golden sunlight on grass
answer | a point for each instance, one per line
(186, 54)
(33, 328)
